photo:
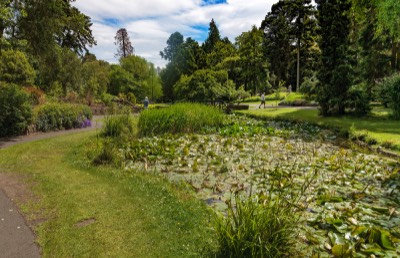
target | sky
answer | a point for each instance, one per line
(150, 22)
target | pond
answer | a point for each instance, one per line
(347, 198)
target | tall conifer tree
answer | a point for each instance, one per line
(335, 71)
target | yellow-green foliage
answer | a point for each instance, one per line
(179, 118)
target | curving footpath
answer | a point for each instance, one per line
(17, 240)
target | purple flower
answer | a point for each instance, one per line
(86, 123)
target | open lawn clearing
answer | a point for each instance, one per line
(384, 131)
(88, 212)
(351, 195)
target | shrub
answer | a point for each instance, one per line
(308, 87)
(358, 100)
(390, 94)
(179, 118)
(58, 116)
(15, 110)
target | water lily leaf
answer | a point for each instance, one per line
(341, 228)
(386, 241)
(334, 221)
(312, 239)
(341, 251)
(380, 209)
(336, 239)
(357, 232)
(373, 249)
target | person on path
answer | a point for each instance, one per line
(262, 100)
(146, 102)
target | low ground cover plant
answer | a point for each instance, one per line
(58, 116)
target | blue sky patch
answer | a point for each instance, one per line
(201, 32)
(111, 21)
(212, 2)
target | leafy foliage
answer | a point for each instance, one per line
(15, 68)
(16, 111)
(204, 86)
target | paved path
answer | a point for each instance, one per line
(16, 238)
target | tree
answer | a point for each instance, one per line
(124, 45)
(204, 86)
(174, 42)
(121, 80)
(213, 37)
(334, 74)
(140, 78)
(254, 67)
(95, 79)
(278, 40)
(289, 31)
(47, 23)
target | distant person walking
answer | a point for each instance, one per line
(146, 103)
(262, 100)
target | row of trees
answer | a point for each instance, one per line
(44, 44)
(220, 69)
(338, 51)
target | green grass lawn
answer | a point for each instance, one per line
(378, 126)
(136, 215)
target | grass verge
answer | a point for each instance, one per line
(102, 212)
(384, 131)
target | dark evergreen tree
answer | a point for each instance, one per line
(289, 34)
(213, 37)
(173, 43)
(124, 45)
(335, 71)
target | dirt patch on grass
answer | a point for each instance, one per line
(85, 222)
(18, 188)
(15, 187)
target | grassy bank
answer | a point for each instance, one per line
(378, 127)
(89, 212)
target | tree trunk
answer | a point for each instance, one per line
(394, 57)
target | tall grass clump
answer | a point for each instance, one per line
(262, 226)
(117, 125)
(179, 118)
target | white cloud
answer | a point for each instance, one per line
(150, 22)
